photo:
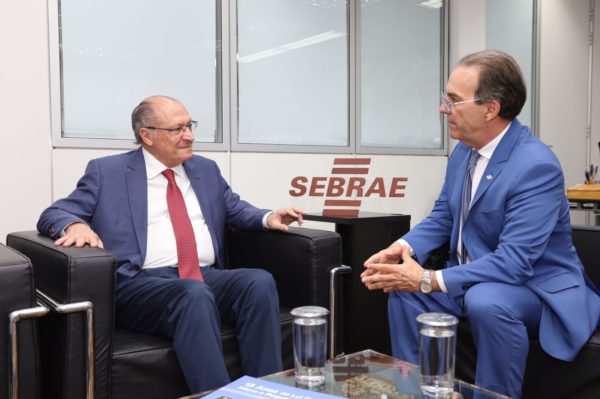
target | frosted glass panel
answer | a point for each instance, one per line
(293, 72)
(509, 27)
(115, 53)
(400, 75)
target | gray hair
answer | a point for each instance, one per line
(500, 79)
(144, 113)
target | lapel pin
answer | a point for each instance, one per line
(489, 177)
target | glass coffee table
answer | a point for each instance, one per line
(372, 375)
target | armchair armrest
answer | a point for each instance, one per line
(71, 275)
(19, 362)
(299, 260)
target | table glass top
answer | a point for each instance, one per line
(372, 375)
(369, 374)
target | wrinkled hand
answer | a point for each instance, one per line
(391, 254)
(79, 234)
(393, 277)
(282, 217)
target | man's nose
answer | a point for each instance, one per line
(188, 134)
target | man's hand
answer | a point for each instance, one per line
(282, 217)
(393, 277)
(391, 254)
(79, 234)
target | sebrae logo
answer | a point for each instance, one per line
(344, 190)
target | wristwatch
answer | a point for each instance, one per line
(425, 284)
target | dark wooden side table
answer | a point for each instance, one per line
(364, 312)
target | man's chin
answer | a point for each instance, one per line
(186, 152)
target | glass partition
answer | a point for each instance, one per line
(401, 67)
(115, 53)
(510, 27)
(292, 72)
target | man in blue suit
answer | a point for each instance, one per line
(122, 204)
(513, 272)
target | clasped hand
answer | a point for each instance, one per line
(382, 271)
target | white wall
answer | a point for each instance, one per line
(563, 69)
(564, 83)
(25, 156)
(564, 86)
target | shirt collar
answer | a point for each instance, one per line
(154, 167)
(488, 150)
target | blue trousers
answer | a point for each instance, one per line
(502, 318)
(157, 301)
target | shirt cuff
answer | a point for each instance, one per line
(403, 242)
(440, 280)
(264, 219)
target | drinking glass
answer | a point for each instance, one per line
(437, 354)
(310, 344)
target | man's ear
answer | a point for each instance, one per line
(492, 110)
(146, 136)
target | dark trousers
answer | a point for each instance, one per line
(157, 301)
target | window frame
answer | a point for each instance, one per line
(444, 73)
(56, 89)
(227, 95)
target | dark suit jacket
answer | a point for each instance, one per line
(518, 231)
(112, 197)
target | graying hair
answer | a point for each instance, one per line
(500, 79)
(143, 114)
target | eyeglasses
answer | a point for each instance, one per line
(175, 131)
(449, 104)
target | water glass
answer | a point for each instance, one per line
(437, 354)
(310, 344)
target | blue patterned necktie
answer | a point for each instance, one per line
(466, 201)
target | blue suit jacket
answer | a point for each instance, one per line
(112, 197)
(518, 232)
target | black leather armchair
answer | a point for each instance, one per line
(546, 377)
(128, 364)
(18, 354)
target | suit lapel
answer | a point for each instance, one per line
(498, 160)
(137, 191)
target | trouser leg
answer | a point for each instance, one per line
(157, 301)
(403, 309)
(248, 297)
(502, 317)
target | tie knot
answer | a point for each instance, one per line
(473, 158)
(169, 174)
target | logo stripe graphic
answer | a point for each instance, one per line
(352, 161)
(343, 203)
(346, 207)
(340, 212)
(350, 171)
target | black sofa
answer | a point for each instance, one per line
(546, 377)
(128, 364)
(16, 296)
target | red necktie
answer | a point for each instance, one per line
(187, 252)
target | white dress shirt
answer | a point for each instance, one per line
(485, 153)
(161, 249)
